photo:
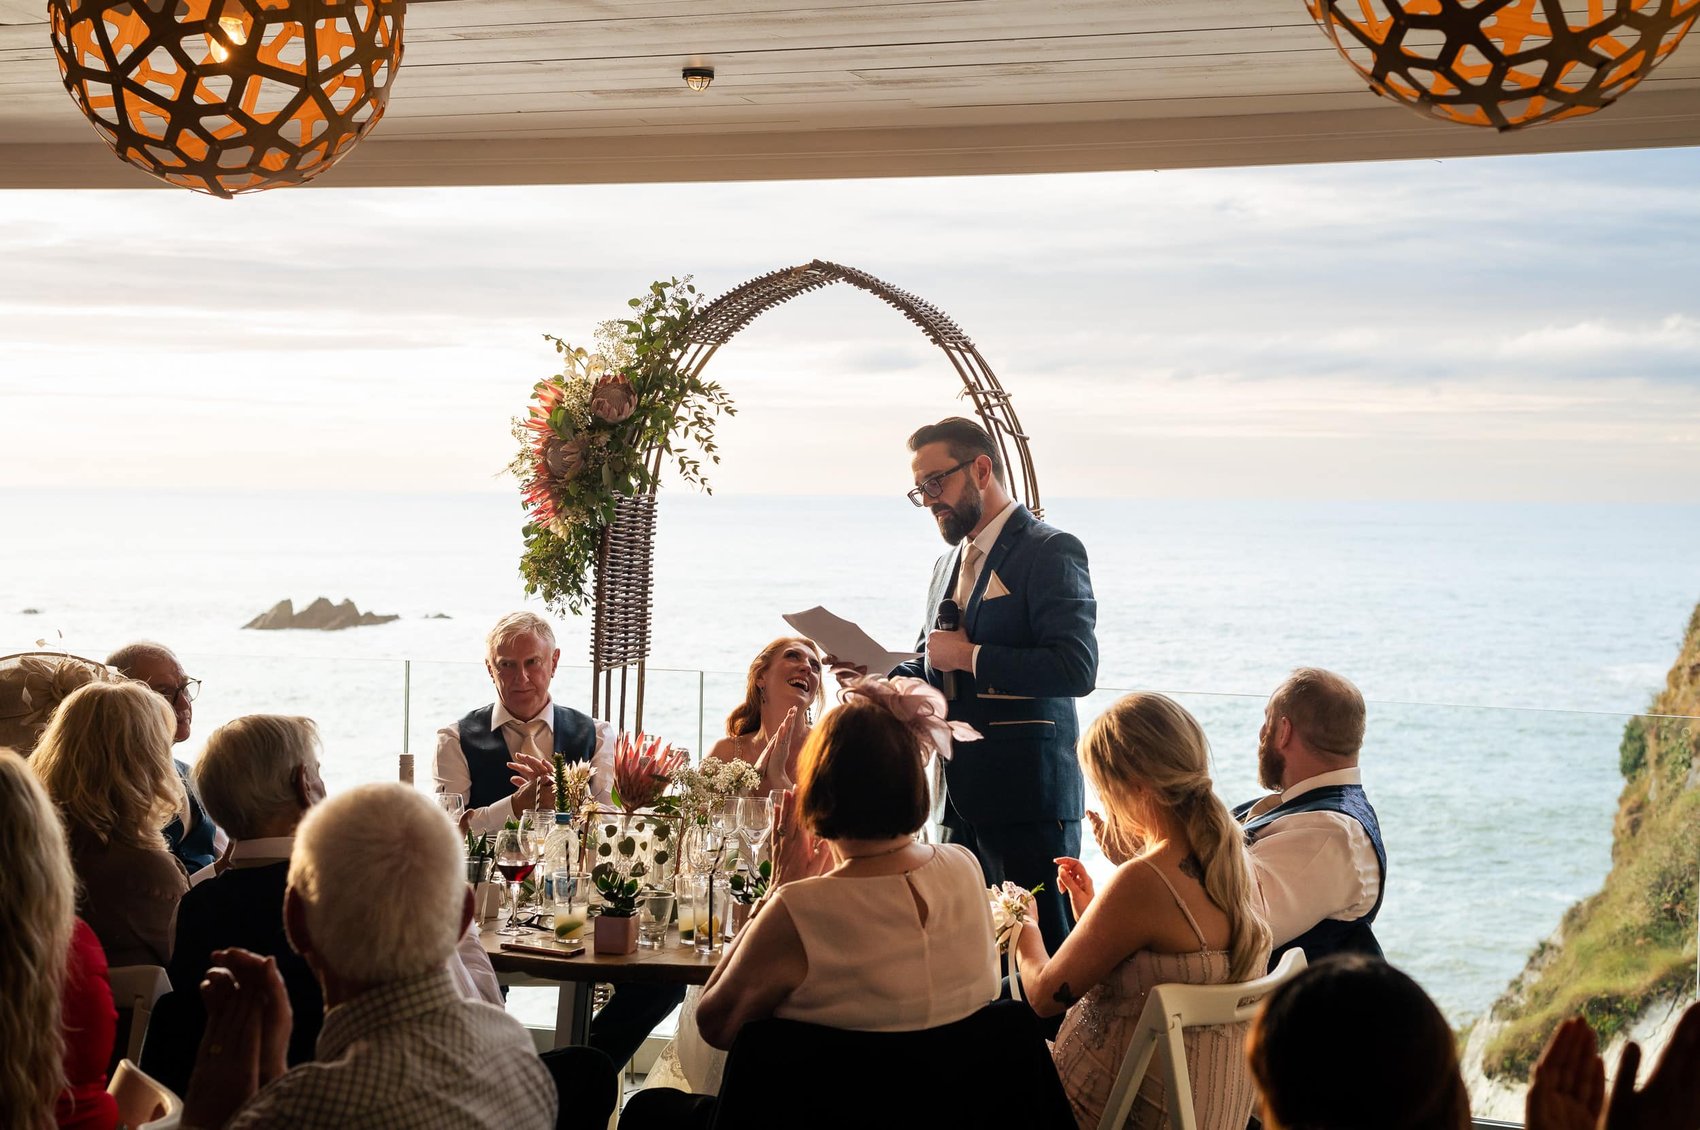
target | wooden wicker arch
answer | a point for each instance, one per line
(619, 645)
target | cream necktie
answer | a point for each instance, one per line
(966, 574)
(530, 735)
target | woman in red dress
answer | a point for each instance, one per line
(56, 1017)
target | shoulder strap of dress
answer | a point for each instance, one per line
(1180, 902)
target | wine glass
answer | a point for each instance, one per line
(514, 859)
(452, 803)
(755, 822)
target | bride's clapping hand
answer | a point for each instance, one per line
(1074, 882)
(774, 762)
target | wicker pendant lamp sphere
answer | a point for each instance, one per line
(229, 96)
(1504, 63)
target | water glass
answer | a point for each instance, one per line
(693, 892)
(713, 914)
(655, 911)
(570, 892)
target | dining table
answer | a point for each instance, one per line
(576, 975)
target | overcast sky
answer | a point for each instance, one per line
(1516, 328)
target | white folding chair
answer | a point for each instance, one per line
(1169, 1011)
(137, 987)
(143, 1102)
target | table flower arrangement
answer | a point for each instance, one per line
(602, 429)
(631, 843)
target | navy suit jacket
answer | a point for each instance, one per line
(1038, 653)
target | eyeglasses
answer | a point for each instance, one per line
(188, 688)
(933, 485)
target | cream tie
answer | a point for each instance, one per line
(966, 574)
(530, 736)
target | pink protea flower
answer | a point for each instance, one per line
(613, 401)
(643, 767)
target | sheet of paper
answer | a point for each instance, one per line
(846, 641)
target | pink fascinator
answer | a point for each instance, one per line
(918, 705)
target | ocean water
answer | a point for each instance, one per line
(1502, 647)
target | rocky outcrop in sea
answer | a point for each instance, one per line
(321, 615)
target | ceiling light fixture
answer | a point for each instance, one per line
(1505, 64)
(229, 96)
(698, 78)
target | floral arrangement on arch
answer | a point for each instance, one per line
(602, 429)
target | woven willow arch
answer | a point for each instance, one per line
(624, 569)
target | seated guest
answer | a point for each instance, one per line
(197, 842)
(33, 685)
(105, 759)
(1181, 907)
(1352, 1042)
(375, 901)
(499, 758)
(258, 776)
(1315, 843)
(769, 729)
(896, 937)
(57, 1022)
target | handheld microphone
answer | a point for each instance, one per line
(949, 620)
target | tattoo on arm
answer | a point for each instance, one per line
(1191, 867)
(1064, 995)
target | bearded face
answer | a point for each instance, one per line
(957, 519)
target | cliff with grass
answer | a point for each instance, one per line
(1625, 956)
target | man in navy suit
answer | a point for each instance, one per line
(1024, 651)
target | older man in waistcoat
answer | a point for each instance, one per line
(1315, 843)
(499, 758)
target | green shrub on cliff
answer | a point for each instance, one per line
(1634, 941)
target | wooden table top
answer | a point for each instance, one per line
(672, 964)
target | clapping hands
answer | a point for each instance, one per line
(1073, 881)
(774, 764)
(246, 1041)
(533, 781)
(1567, 1088)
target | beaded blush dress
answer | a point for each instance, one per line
(1096, 1032)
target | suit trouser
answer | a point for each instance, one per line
(619, 1030)
(1024, 854)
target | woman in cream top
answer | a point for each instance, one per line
(898, 935)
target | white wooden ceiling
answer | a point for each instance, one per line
(547, 91)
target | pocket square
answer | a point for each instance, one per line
(995, 588)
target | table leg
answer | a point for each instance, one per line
(572, 1014)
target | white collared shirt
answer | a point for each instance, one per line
(451, 775)
(982, 541)
(259, 852)
(1313, 865)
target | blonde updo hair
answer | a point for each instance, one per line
(105, 759)
(1146, 751)
(37, 914)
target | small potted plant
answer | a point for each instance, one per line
(747, 889)
(616, 926)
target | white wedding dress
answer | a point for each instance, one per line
(688, 1063)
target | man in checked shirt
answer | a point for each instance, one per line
(376, 901)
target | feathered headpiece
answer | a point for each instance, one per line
(917, 704)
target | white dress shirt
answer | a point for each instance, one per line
(1313, 865)
(966, 577)
(451, 774)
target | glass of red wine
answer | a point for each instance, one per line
(516, 861)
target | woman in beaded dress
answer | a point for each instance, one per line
(1182, 906)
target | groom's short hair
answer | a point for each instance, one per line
(965, 439)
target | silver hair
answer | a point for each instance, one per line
(518, 624)
(126, 657)
(402, 926)
(247, 774)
